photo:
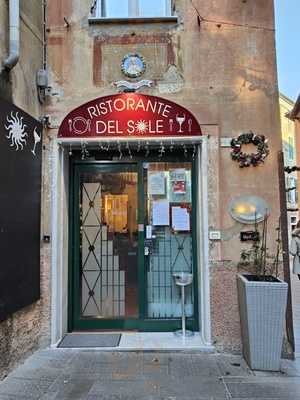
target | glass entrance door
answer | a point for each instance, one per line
(106, 266)
(169, 237)
(133, 227)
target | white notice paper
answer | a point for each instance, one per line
(160, 213)
(178, 175)
(180, 219)
(156, 182)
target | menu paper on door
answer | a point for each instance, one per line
(160, 213)
(156, 183)
(178, 174)
(179, 187)
(180, 219)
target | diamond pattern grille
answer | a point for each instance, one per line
(102, 282)
(171, 253)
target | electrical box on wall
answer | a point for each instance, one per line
(42, 78)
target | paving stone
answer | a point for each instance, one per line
(201, 386)
(141, 397)
(264, 388)
(30, 372)
(194, 366)
(125, 388)
(155, 370)
(91, 375)
(231, 365)
(46, 362)
(28, 388)
(131, 369)
(290, 368)
(12, 397)
(49, 396)
(55, 358)
(71, 389)
(87, 368)
(157, 358)
(112, 397)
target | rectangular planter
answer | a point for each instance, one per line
(262, 311)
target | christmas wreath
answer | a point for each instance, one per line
(248, 159)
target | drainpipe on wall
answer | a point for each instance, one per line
(14, 35)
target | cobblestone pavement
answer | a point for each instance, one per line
(92, 375)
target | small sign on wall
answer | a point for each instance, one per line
(215, 235)
(249, 236)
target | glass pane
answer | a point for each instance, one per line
(153, 8)
(109, 247)
(169, 237)
(116, 8)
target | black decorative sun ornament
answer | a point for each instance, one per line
(248, 159)
(133, 65)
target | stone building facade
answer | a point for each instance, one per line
(294, 116)
(288, 133)
(215, 61)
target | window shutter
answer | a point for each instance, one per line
(20, 208)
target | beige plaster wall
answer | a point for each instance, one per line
(29, 328)
(223, 71)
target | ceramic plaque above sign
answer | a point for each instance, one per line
(129, 114)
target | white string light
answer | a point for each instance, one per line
(107, 146)
(129, 151)
(194, 151)
(84, 151)
(185, 150)
(161, 150)
(147, 149)
(120, 150)
(172, 146)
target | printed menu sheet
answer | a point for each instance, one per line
(160, 213)
(180, 219)
(156, 183)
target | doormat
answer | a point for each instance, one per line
(74, 340)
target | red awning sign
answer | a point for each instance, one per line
(129, 114)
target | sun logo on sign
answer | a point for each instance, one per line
(16, 131)
(141, 127)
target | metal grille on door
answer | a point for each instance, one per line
(171, 253)
(102, 282)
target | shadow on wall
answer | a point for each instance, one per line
(6, 339)
(20, 337)
(5, 85)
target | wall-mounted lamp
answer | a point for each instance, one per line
(248, 209)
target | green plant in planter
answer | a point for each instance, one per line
(257, 260)
(262, 302)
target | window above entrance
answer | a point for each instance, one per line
(128, 9)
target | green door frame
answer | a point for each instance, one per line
(142, 323)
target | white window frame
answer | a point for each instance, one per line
(134, 10)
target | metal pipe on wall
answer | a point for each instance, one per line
(45, 34)
(14, 35)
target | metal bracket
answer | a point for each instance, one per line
(133, 86)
